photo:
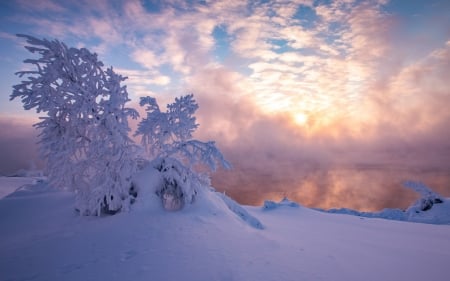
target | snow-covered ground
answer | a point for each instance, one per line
(42, 238)
(10, 184)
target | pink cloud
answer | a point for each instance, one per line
(42, 5)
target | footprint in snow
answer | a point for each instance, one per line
(128, 255)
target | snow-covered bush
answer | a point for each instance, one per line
(428, 199)
(163, 132)
(169, 134)
(179, 184)
(285, 202)
(167, 137)
(84, 130)
(387, 213)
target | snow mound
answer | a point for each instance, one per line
(207, 202)
(285, 202)
(428, 199)
(42, 239)
(146, 184)
(439, 213)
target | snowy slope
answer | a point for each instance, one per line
(41, 238)
(10, 184)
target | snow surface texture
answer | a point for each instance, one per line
(42, 238)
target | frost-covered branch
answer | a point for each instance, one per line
(167, 134)
(201, 152)
(428, 199)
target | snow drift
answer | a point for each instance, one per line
(148, 184)
(42, 238)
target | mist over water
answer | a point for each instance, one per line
(18, 148)
(261, 172)
(356, 160)
(360, 188)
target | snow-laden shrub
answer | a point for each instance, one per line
(179, 185)
(390, 214)
(428, 199)
(285, 202)
(167, 137)
(84, 129)
(169, 134)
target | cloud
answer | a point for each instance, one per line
(146, 58)
(41, 5)
(104, 29)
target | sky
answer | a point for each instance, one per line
(331, 103)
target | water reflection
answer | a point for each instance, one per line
(364, 188)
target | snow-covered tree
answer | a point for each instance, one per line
(167, 136)
(84, 130)
(162, 132)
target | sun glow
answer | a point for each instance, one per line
(300, 118)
